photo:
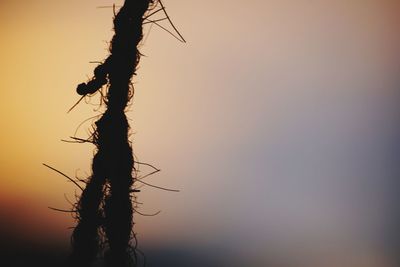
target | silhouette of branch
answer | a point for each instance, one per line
(105, 208)
(155, 186)
(62, 210)
(152, 13)
(63, 174)
(170, 21)
(148, 215)
(152, 21)
(113, 6)
(147, 175)
(171, 33)
(77, 140)
(77, 102)
(147, 164)
(179, 36)
(72, 142)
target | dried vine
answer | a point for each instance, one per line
(105, 206)
(104, 210)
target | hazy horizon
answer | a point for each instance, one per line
(278, 121)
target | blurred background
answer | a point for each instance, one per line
(278, 121)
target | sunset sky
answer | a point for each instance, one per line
(277, 120)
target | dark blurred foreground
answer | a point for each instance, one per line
(15, 253)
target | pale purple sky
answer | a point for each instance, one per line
(277, 120)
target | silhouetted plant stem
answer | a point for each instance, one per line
(106, 201)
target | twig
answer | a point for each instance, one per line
(147, 164)
(63, 174)
(147, 175)
(170, 21)
(152, 13)
(165, 29)
(152, 21)
(77, 140)
(77, 102)
(113, 6)
(62, 210)
(148, 215)
(158, 187)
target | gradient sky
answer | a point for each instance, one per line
(277, 120)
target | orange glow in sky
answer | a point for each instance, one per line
(272, 114)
